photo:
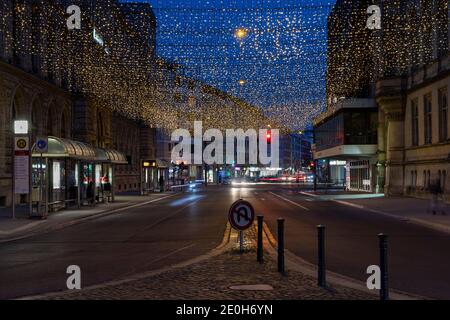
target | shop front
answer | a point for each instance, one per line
(72, 173)
(156, 175)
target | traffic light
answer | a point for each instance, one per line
(269, 137)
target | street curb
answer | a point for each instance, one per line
(5, 234)
(296, 263)
(221, 248)
(70, 223)
(416, 221)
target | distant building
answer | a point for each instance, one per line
(295, 153)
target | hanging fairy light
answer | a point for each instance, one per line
(274, 59)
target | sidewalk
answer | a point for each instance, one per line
(229, 275)
(22, 226)
(403, 208)
(325, 195)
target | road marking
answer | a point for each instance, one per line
(309, 194)
(162, 219)
(94, 216)
(292, 202)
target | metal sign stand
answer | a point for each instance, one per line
(241, 241)
(13, 179)
(41, 185)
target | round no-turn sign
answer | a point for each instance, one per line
(241, 215)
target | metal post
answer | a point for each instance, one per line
(30, 179)
(241, 241)
(141, 177)
(13, 170)
(280, 245)
(259, 257)
(315, 175)
(113, 183)
(321, 271)
(41, 187)
(384, 290)
(47, 186)
(78, 164)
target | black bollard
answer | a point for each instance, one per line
(259, 253)
(321, 270)
(384, 290)
(280, 245)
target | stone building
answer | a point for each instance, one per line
(37, 84)
(399, 77)
(413, 141)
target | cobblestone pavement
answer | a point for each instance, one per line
(212, 279)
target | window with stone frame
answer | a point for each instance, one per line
(443, 114)
(427, 107)
(415, 122)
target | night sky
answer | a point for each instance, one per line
(282, 60)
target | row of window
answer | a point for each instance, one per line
(428, 117)
(426, 179)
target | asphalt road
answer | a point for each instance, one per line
(179, 228)
(419, 257)
(134, 241)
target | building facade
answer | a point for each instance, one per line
(37, 84)
(401, 72)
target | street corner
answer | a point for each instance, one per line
(234, 274)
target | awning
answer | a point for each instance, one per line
(115, 156)
(65, 148)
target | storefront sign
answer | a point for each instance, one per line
(338, 163)
(149, 163)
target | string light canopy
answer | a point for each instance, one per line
(268, 59)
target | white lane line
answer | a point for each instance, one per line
(292, 202)
(309, 194)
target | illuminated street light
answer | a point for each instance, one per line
(242, 82)
(241, 33)
(20, 127)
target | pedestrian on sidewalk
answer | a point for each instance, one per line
(437, 199)
(161, 183)
(90, 193)
(441, 200)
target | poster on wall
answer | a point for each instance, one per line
(56, 175)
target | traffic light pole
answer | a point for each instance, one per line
(315, 175)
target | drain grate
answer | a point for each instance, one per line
(253, 287)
